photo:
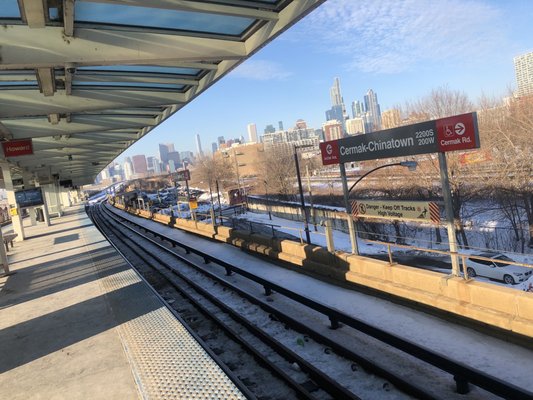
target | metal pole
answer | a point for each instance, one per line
(219, 205)
(268, 201)
(310, 197)
(306, 224)
(351, 226)
(448, 206)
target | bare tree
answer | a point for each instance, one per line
(440, 103)
(507, 130)
(215, 169)
(277, 170)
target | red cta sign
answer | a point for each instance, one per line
(330, 152)
(16, 148)
(457, 133)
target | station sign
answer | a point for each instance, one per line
(446, 134)
(183, 175)
(420, 211)
(15, 148)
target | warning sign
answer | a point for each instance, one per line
(421, 211)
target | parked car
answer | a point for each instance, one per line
(508, 273)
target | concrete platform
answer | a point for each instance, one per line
(76, 322)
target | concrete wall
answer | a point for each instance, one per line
(495, 305)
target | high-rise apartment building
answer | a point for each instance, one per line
(128, 168)
(391, 119)
(523, 67)
(164, 149)
(199, 151)
(139, 164)
(358, 109)
(252, 133)
(373, 109)
(332, 130)
(355, 126)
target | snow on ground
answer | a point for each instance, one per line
(497, 357)
(342, 242)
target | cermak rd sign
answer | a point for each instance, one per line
(446, 134)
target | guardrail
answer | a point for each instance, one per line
(462, 374)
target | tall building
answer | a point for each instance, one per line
(390, 119)
(336, 97)
(186, 156)
(355, 126)
(139, 164)
(199, 151)
(373, 110)
(220, 140)
(332, 130)
(280, 125)
(164, 149)
(335, 113)
(523, 67)
(214, 147)
(269, 129)
(128, 169)
(358, 109)
(173, 156)
(252, 133)
(153, 165)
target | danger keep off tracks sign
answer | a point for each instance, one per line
(421, 211)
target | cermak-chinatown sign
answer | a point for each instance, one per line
(459, 132)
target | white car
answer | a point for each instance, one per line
(508, 273)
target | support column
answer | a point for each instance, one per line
(349, 219)
(46, 214)
(448, 207)
(3, 257)
(16, 220)
(26, 178)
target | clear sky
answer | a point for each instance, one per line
(402, 49)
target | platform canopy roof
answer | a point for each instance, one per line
(85, 79)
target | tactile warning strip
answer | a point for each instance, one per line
(168, 362)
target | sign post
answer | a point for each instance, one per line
(352, 228)
(448, 207)
(459, 132)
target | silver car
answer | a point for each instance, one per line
(508, 273)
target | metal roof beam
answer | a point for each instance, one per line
(42, 127)
(200, 7)
(103, 76)
(107, 47)
(22, 103)
(46, 79)
(68, 17)
(33, 12)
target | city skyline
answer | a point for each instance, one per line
(361, 44)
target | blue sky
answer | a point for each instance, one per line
(400, 49)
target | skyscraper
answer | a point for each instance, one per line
(373, 110)
(164, 149)
(139, 164)
(280, 125)
(199, 151)
(252, 133)
(358, 109)
(336, 97)
(214, 147)
(523, 67)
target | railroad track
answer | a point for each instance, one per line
(277, 342)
